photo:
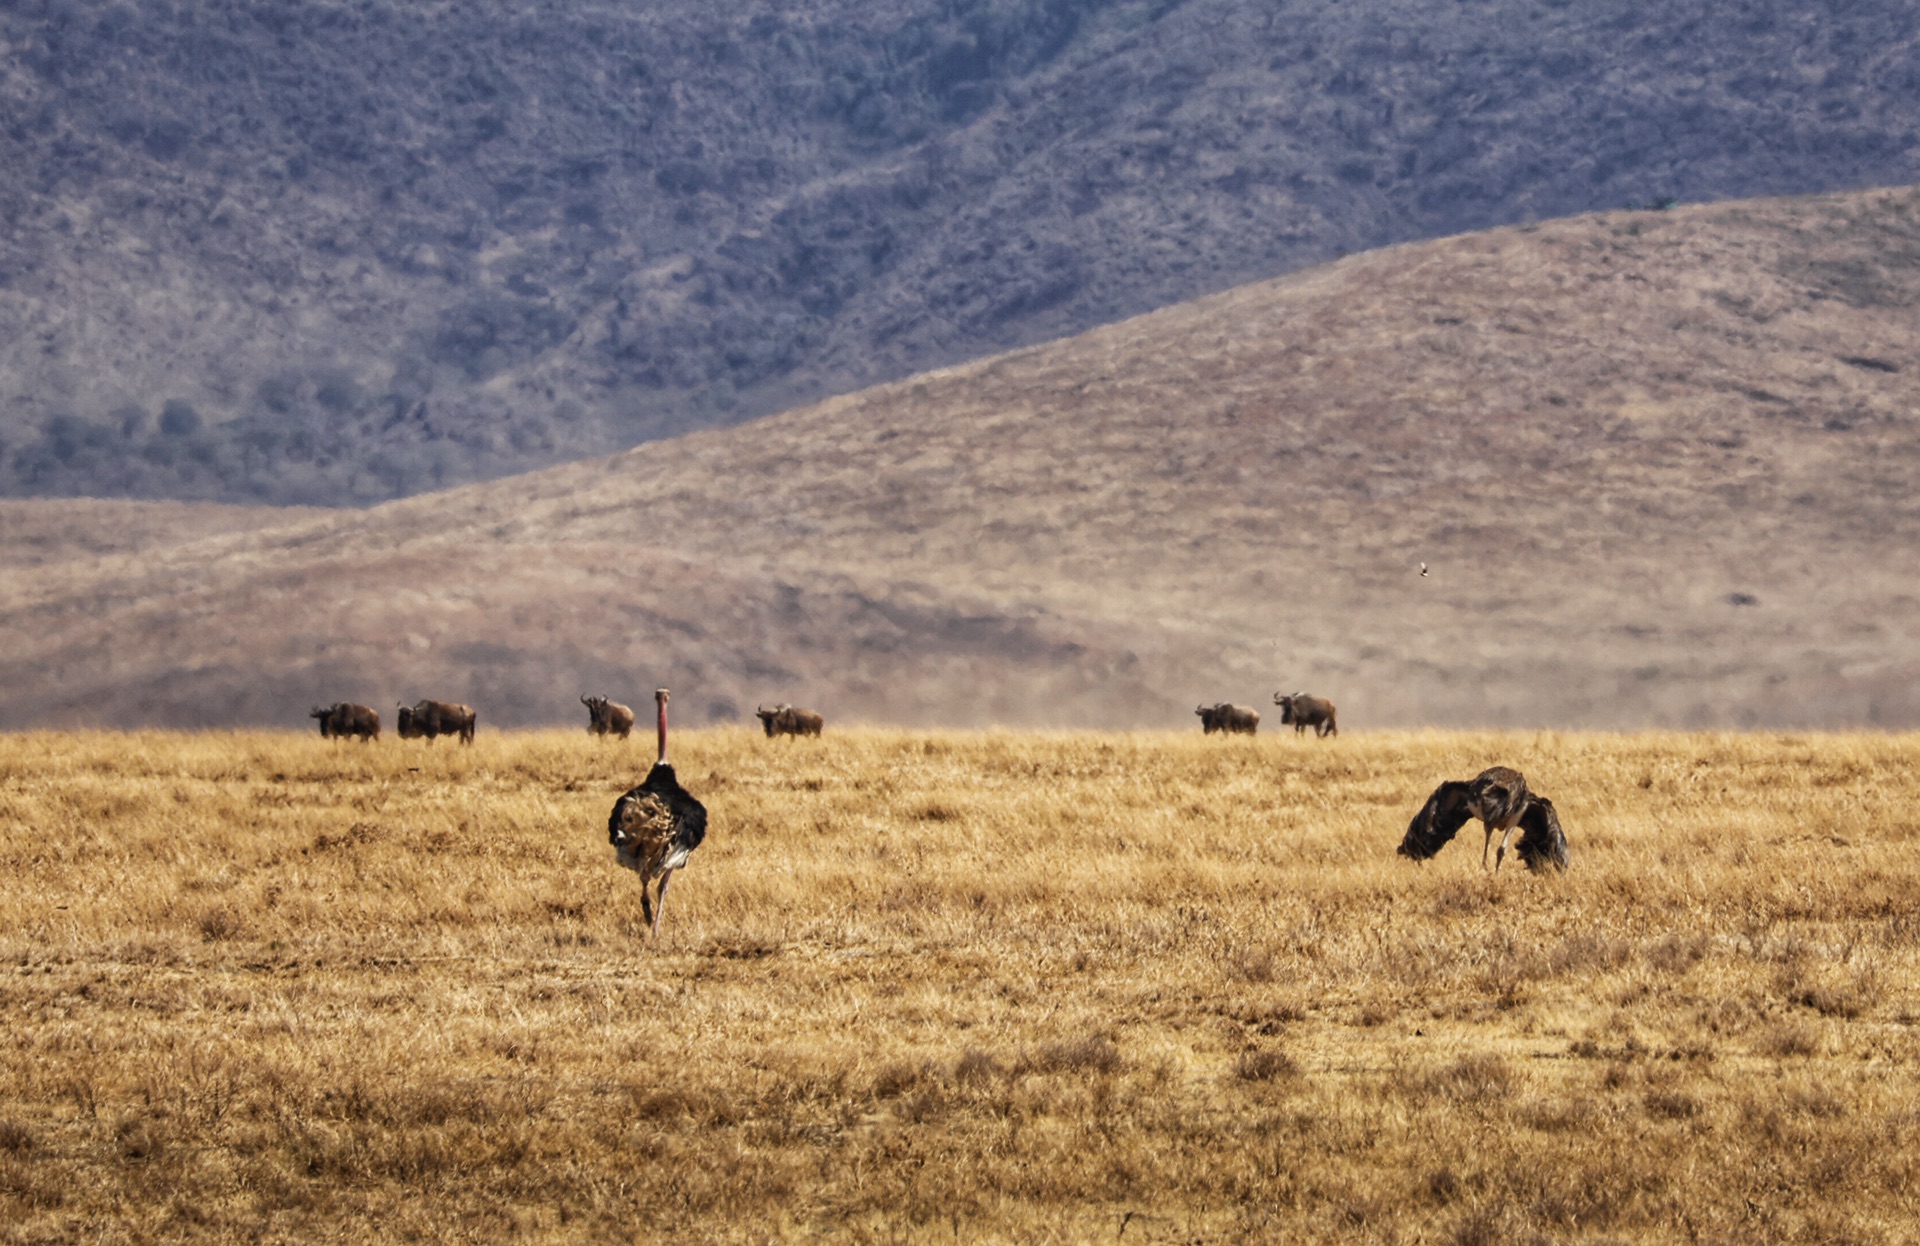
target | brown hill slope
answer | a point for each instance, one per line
(44, 533)
(1661, 465)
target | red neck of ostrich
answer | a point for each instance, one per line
(660, 696)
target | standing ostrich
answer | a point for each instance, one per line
(656, 826)
(1499, 798)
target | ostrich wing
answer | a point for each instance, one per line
(1542, 842)
(1438, 821)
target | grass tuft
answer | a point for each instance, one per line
(1265, 1065)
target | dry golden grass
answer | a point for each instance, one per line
(984, 986)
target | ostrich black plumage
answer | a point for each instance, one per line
(655, 827)
(1500, 799)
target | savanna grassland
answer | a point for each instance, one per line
(948, 985)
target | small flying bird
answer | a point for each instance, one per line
(1499, 798)
(655, 827)
(1423, 570)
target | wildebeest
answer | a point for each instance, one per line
(1238, 719)
(785, 719)
(606, 717)
(1304, 711)
(431, 719)
(344, 718)
(1499, 797)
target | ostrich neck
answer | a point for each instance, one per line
(663, 732)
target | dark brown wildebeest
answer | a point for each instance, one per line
(1304, 711)
(431, 719)
(784, 719)
(344, 718)
(606, 717)
(1498, 796)
(1235, 719)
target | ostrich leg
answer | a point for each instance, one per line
(660, 905)
(1500, 854)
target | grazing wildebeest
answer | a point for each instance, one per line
(784, 719)
(431, 719)
(344, 718)
(1237, 719)
(606, 717)
(1499, 798)
(1304, 711)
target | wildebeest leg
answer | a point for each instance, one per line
(660, 903)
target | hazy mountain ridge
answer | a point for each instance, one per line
(1660, 465)
(337, 252)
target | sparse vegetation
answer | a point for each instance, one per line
(268, 986)
(381, 247)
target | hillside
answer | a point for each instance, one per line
(335, 252)
(1661, 466)
(41, 534)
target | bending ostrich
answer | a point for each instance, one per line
(1500, 799)
(655, 827)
